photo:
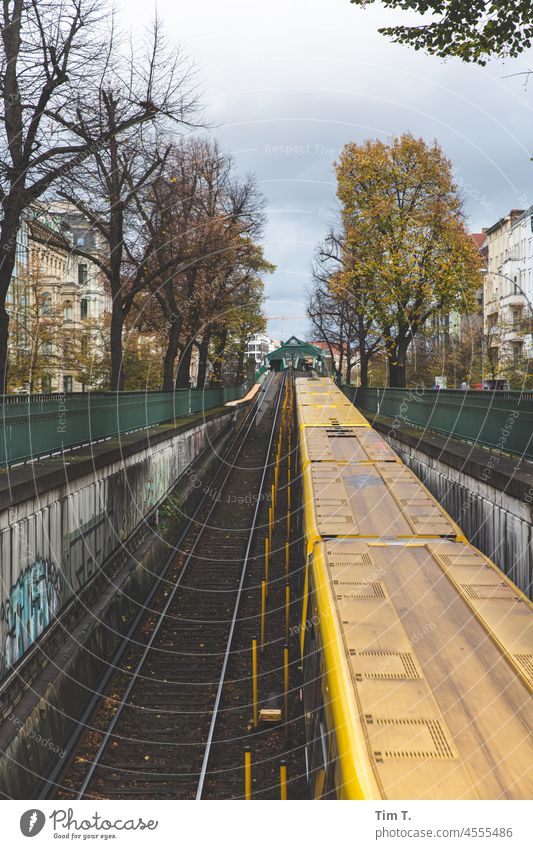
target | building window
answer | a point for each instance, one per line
(82, 274)
(67, 383)
(84, 307)
(84, 346)
(46, 383)
(47, 347)
(47, 303)
(68, 312)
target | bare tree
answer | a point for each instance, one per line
(114, 189)
(207, 226)
(337, 306)
(47, 128)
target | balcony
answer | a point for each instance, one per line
(514, 334)
(513, 300)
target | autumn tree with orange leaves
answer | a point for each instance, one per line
(403, 223)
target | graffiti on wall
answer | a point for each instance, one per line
(83, 528)
(30, 605)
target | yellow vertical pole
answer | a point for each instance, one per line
(289, 496)
(267, 557)
(254, 678)
(286, 687)
(283, 780)
(287, 559)
(247, 773)
(288, 524)
(270, 517)
(263, 606)
(287, 610)
(273, 498)
(276, 475)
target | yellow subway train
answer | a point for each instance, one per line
(417, 651)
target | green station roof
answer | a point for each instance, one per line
(295, 347)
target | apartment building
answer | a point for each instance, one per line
(57, 301)
(508, 287)
(258, 346)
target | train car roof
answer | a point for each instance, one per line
(313, 381)
(324, 396)
(428, 658)
(344, 445)
(328, 415)
(383, 500)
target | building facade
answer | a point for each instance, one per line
(258, 346)
(508, 290)
(57, 302)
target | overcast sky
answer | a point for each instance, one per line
(286, 83)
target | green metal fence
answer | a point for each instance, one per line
(494, 419)
(35, 426)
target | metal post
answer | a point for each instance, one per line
(270, 518)
(287, 559)
(288, 524)
(273, 498)
(263, 606)
(247, 773)
(283, 780)
(286, 687)
(254, 678)
(287, 610)
(266, 563)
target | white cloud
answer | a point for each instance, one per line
(288, 82)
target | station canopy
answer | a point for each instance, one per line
(294, 353)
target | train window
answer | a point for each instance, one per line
(317, 740)
(324, 741)
(332, 773)
(320, 780)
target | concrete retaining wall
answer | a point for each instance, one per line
(34, 733)
(490, 498)
(57, 530)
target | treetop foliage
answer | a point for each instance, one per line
(472, 30)
(403, 256)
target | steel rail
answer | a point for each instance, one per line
(51, 780)
(207, 752)
(111, 726)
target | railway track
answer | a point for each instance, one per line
(150, 734)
